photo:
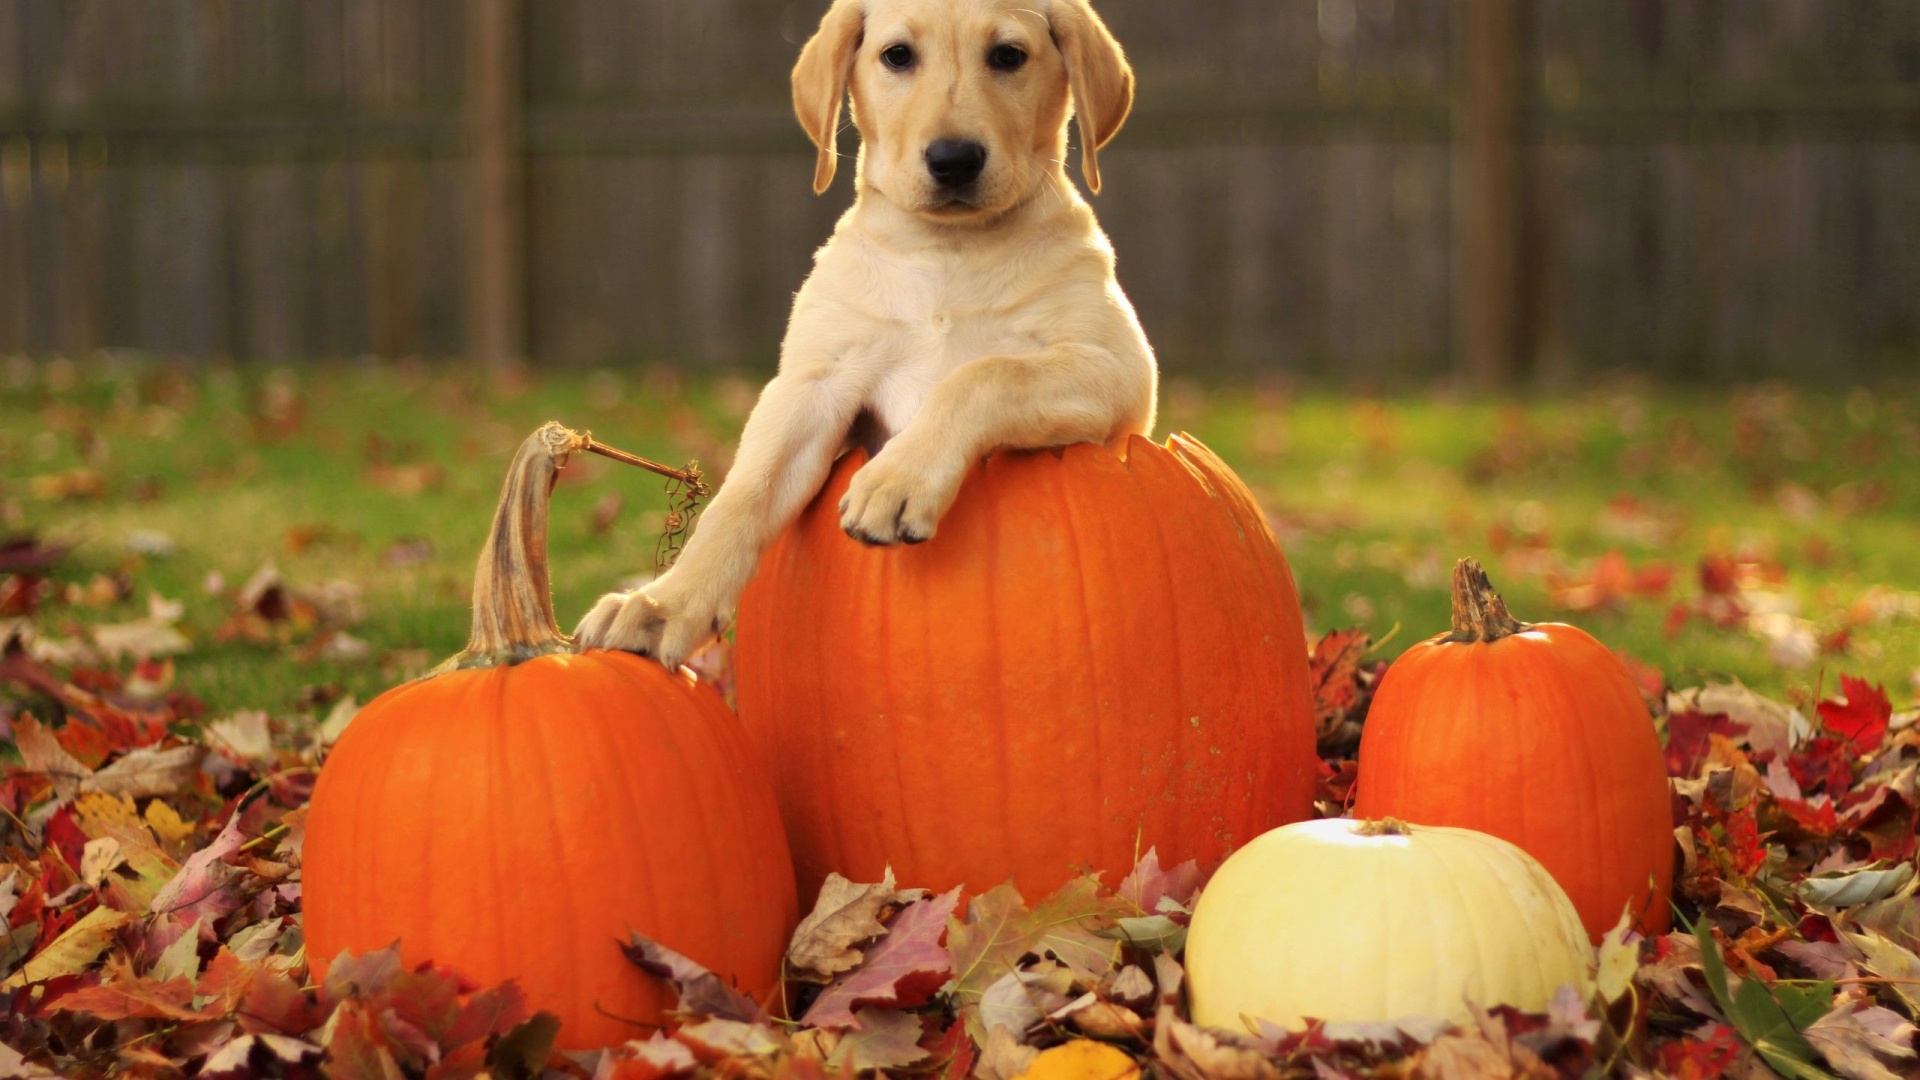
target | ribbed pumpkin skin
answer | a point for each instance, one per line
(515, 822)
(1540, 739)
(1319, 920)
(1094, 656)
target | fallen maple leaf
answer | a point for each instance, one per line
(1865, 1043)
(1020, 999)
(985, 945)
(651, 1059)
(1071, 925)
(846, 914)
(358, 1046)
(149, 770)
(42, 753)
(1148, 883)
(245, 736)
(74, 950)
(700, 991)
(1333, 671)
(1860, 716)
(1004, 1057)
(718, 1037)
(200, 892)
(1689, 737)
(126, 996)
(881, 1039)
(901, 970)
(264, 1054)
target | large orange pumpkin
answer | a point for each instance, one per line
(1534, 733)
(1100, 652)
(515, 815)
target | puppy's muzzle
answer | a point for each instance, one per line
(955, 163)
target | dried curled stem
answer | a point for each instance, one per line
(512, 590)
(1479, 615)
(1386, 826)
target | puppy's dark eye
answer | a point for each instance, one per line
(897, 57)
(1006, 58)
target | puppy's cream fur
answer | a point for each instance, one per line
(950, 327)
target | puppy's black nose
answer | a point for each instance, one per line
(955, 163)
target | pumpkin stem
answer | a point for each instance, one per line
(1386, 826)
(1478, 612)
(512, 597)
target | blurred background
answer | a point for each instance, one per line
(1374, 192)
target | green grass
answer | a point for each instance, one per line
(1374, 499)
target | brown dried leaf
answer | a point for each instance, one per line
(42, 753)
(1463, 1057)
(149, 770)
(880, 1039)
(1004, 1057)
(847, 913)
(700, 991)
(901, 970)
(1861, 1044)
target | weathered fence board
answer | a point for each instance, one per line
(1707, 189)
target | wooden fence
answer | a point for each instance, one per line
(1372, 189)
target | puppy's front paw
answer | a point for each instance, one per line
(892, 503)
(665, 626)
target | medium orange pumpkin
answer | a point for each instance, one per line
(1536, 734)
(516, 814)
(1100, 652)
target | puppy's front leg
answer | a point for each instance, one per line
(1062, 395)
(786, 449)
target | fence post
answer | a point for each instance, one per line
(497, 282)
(1487, 211)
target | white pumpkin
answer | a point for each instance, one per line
(1371, 921)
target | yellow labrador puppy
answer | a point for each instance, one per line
(966, 303)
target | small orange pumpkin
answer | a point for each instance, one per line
(1100, 652)
(1536, 734)
(515, 814)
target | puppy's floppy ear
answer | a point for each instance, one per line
(820, 82)
(1099, 76)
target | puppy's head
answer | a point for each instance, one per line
(962, 105)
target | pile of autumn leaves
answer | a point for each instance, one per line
(149, 889)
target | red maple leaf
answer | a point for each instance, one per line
(1861, 717)
(1687, 739)
(956, 1049)
(1743, 847)
(64, 836)
(1701, 1059)
(1334, 780)
(1333, 668)
(126, 996)
(1819, 820)
(1823, 763)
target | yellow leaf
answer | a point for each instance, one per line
(72, 951)
(99, 812)
(166, 822)
(1619, 958)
